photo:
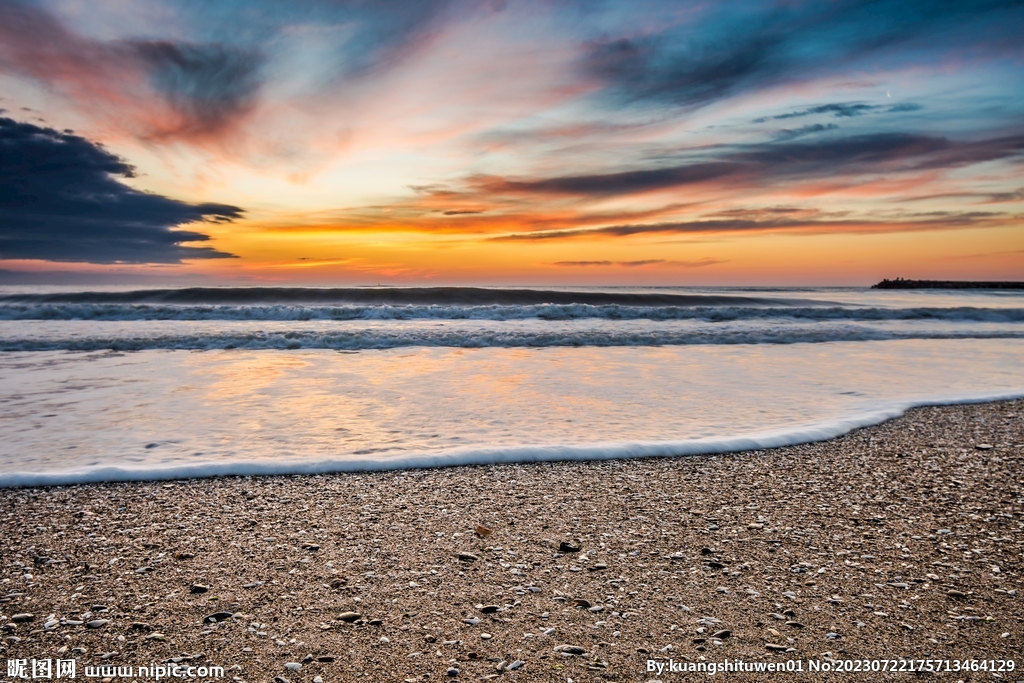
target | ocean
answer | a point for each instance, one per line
(127, 384)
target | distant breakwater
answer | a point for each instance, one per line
(900, 283)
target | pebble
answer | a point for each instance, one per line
(482, 531)
(318, 679)
(956, 594)
(349, 617)
(485, 636)
(775, 648)
(597, 566)
(488, 609)
(724, 633)
(292, 666)
(472, 621)
(984, 446)
(571, 650)
(21, 618)
(566, 547)
(467, 557)
(217, 616)
(97, 623)
(515, 665)
(198, 588)
(453, 672)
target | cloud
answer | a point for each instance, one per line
(764, 162)
(701, 263)
(167, 89)
(627, 264)
(387, 32)
(844, 110)
(836, 110)
(934, 221)
(793, 133)
(735, 50)
(61, 200)
(209, 86)
(904, 107)
(624, 182)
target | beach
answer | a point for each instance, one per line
(902, 540)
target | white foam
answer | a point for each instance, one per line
(490, 335)
(819, 431)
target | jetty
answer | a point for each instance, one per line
(900, 283)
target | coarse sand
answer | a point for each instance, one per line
(903, 540)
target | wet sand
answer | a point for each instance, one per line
(901, 540)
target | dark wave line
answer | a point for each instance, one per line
(548, 312)
(394, 296)
(389, 339)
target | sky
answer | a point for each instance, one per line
(320, 142)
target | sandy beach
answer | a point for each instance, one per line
(901, 540)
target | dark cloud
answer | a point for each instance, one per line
(61, 200)
(628, 264)
(780, 160)
(209, 86)
(837, 110)
(936, 221)
(904, 107)
(837, 153)
(614, 183)
(844, 110)
(793, 133)
(701, 263)
(999, 197)
(748, 49)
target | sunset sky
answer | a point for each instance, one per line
(495, 142)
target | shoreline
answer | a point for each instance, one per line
(903, 539)
(799, 435)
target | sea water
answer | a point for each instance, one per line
(122, 384)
